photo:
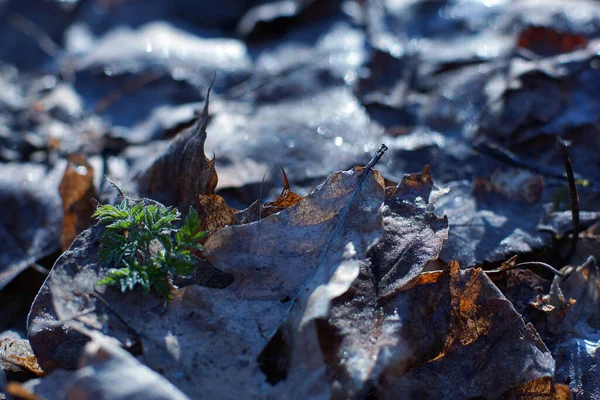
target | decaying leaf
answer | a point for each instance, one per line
(571, 321)
(31, 217)
(257, 211)
(538, 389)
(576, 366)
(214, 212)
(77, 191)
(413, 233)
(16, 356)
(546, 41)
(277, 262)
(105, 371)
(286, 199)
(577, 300)
(485, 227)
(476, 343)
(182, 172)
(393, 330)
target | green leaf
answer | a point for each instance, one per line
(107, 214)
(190, 233)
(139, 243)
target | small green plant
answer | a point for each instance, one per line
(143, 244)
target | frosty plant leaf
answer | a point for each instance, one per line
(144, 246)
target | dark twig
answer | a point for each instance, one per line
(382, 149)
(503, 155)
(574, 196)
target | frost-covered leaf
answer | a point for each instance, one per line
(451, 335)
(276, 263)
(31, 217)
(105, 371)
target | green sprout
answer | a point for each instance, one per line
(143, 244)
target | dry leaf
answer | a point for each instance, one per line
(256, 211)
(31, 217)
(413, 233)
(286, 199)
(576, 366)
(461, 339)
(538, 389)
(276, 262)
(214, 212)
(547, 41)
(448, 335)
(182, 171)
(77, 191)
(16, 356)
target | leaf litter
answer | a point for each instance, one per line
(367, 303)
(332, 277)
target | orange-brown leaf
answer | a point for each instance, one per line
(286, 199)
(77, 191)
(16, 355)
(214, 212)
(255, 211)
(538, 389)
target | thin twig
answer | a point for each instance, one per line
(574, 196)
(540, 264)
(503, 155)
(527, 264)
(382, 149)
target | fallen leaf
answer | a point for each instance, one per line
(520, 286)
(485, 227)
(16, 356)
(182, 172)
(286, 199)
(276, 263)
(469, 341)
(538, 389)
(256, 211)
(31, 219)
(448, 334)
(572, 324)
(395, 327)
(413, 234)
(77, 192)
(576, 361)
(577, 301)
(105, 371)
(214, 212)
(546, 41)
